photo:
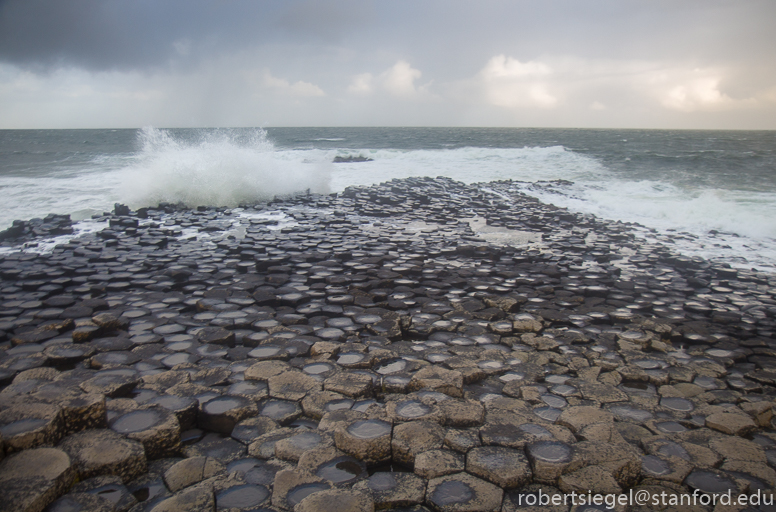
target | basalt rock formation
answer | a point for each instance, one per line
(416, 345)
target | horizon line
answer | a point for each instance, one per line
(399, 127)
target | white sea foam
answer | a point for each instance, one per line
(78, 194)
(468, 165)
(725, 225)
(667, 207)
(227, 168)
(730, 225)
(46, 245)
(216, 168)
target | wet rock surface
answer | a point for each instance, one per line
(420, 343)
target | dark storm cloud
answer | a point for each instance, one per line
(133, 34)
(99, 34)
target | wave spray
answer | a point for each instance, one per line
(216, 168)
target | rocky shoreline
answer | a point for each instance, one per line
(416, 345)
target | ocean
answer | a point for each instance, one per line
(709, 193)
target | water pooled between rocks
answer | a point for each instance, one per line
(412, 409)
(342, 470)
(369, 429)
(136, 421)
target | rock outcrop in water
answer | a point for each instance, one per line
(372, 350)
(351, 159)
(51, 225)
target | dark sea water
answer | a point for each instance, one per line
(712, 193)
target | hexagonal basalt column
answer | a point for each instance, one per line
(436, 463)
(116, 382)
(184, 408)
(336, 500)
(412, 410)
(293, 447)
(410, 439)
(32, 479)
(435, 378)
(548, 460)
(342, 471)
(222, 413)
(391, 489)
(154, 426)
(83, 412)
(506, 467)
(463, 492)
(292, 486)
(292, 385)
(367, 440)
(191, 471)
(29, 425)
(104, 452)
(241, 497)
(349, 384)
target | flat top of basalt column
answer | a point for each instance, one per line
(222, 404)
(137, 421)
(412, 409)
(549, 451)
(342, 470)
(463, 492)
(369, 429)
(242, 496)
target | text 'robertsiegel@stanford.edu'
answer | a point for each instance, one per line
(643, 497)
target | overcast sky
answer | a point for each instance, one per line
(556, 63)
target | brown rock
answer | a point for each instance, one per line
(368, 440)
(154, 426)
(731, 423)
(32, 479)
(109, 322)
(29, 425)
(392, 489)
(436, 378)
(264, 370)
(462, 440)
(761, 412)
(83, 501)
(291, 486)
(315, 404)
(413, 438)
(349, 384)
(192, 500)
(216, 335)
(104, 452)
(336, 500)
(622, 461)
(222, 413)
(575, 418)
(462, 413)
(505, 467)
(293, 447)
(191, 471)
(598, 391)
(292, 385)
(736, 448)
(549, 459)
(589, 479)
(463, 492)
(86, 411)
(435, 463)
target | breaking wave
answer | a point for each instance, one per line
(216, 167)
